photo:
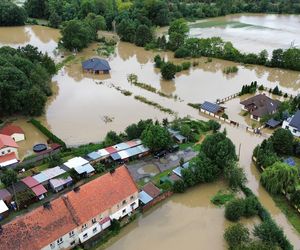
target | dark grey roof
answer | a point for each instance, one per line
(211, 107)
(261, 104)
(96, 64)
(295, 122)
(273, 123)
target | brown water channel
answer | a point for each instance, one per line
(77, 112)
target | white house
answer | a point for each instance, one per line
(293, 124)
(15, 132)
(8, 151)
(76, 217)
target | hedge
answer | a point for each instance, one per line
(47, 133)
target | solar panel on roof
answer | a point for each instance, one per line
(210, 107)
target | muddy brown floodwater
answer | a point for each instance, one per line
(83, 104)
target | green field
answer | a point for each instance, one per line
(220, 23)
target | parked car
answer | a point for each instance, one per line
(160, 154)
(173, 148)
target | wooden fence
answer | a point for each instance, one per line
(219, 101)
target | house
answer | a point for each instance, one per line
(4, 211)
(15, 132)
(259, 106)
(74, 218)
(177, 136)
(211, 107)
(59, 184)
(96, 66)
(8, 151)
(293, 124)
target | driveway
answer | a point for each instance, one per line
(149, 166)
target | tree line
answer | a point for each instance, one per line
(25, 76)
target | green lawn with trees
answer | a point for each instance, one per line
(25, 76)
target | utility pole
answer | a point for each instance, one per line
(240, 150)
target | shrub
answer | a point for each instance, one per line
(115, 226)
(182, 52)
(222, 198)
(236, 235)
(251, 206)
(158, 61)
(179, 186)
(185, 65)
(261, 88)
(234, 209)
(213, 125)
(168, 71)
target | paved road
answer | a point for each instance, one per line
(149, 166)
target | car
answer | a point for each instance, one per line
(173, 148)
(160, 154)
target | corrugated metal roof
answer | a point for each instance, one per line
(3, 207)
(87, 168)
(115, 156)
(39, 190)
(55, 183)
(103, 152)
(94, 155)
(75, 162)
(177, 171)
(49, 174)
(124, 154)
(30, 182)
(111, 150)
(121, 146)
(144, 197)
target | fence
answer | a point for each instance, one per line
(219, 101)
(234, 123)
(158, 199)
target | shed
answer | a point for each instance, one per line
(3, 209)
(48, 174)
(75, 162)
(94, 156)
(5, 195)
(151, 190)
(272, 123)
(30, 182)
(211, 107)
(85, 169)
(39, 191)
(60, 183)
(144, 197)
(96, 66)
(115, 156)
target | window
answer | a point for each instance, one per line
(72, 243)
(84, 226)
(124, 211)
(287, 127)
(132, 197)
(132, 205)
(85, 235)
(294, 130)
(94, 220)
(59, 241)
(71, 234)
(124, 202)
(8, 151)
(94, 229)
(52, 245)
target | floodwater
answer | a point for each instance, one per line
(86, 106)
(252, 32)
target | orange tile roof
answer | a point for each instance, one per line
(7, 141)
(11, 129)
(8, 157)
(43, 226)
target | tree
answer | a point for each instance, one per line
(9, 177)
(158, 61)
(112, 138)
(143, 35)
(177, 33)
(278, 177)
(126, 30)
(75, 35)
(54, 20)
(11, 14)
(236, 235)
(168, 71)
(179, 186)
(282, 140)
(251, 206)
(235, 176)
(156, 137)
(37, 8)
(295, 197)
(234, 209)
(96, 23)
(55, 160)
(213, 125)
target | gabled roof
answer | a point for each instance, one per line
(96, 64)
(7, 141)
(295, 122)
(211, 107)
(43, 226)
(8, 159)
(144, 197)
(39, 190)
(263, 105)
(151, 189)
(11, 129)
(30, 181)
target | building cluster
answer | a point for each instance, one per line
(74, 218)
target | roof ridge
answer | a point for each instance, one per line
(71, 209)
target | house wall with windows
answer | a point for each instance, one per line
(8, 150)
(294, 131)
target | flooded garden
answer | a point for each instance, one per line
(85, 107)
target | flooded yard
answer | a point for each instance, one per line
(78, 110)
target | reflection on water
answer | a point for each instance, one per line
(252, 32)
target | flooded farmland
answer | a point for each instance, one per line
(79, 110)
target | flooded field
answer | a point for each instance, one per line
(252, 32)
(86, 106)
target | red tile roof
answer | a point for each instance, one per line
(43, 226)
(39, 190)
(8, 157)
(30, 182)
(7, 141)
(11, 129)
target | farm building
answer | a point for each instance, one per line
(96, 66)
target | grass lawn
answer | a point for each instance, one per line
(292, 214)
(157, 177)
(222, 197)
(212, 23)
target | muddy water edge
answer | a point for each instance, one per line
(77, 110)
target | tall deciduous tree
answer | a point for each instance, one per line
(11, 14)
(282, 140)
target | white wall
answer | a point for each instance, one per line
(18, 137)
(126, 208)
(7, 150)
(293, 130)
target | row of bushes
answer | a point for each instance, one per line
(47, 133)
(154, 104)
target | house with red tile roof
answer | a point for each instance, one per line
(8, 151)
(74, 218)
(14, 131)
